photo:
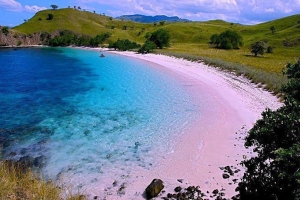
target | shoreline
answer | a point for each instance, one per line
(237, 104)
(231, 105)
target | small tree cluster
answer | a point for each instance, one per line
(67, 38)
(274, 173)
(124, 45)
(147, 47)
(99, 39)
(157, 39)
(227, 40)
(260, 47)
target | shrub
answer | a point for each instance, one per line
(147, 47)
(5, 30)
(259, 47)
(161, 38)
(124, 45)
(50, 16)
(19, 43)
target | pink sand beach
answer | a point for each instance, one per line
(232, 105)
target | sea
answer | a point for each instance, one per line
(89, 121)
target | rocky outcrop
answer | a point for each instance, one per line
(16, 39)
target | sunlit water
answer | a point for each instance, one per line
(92, 120)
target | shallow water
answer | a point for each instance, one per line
(94, 120)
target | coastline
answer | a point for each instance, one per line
(232, 106)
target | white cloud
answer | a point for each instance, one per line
(242, 11)
(34, 8)
(270, 10)
(11, 5)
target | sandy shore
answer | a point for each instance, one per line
(232, 105)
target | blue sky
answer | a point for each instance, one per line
(14, 12)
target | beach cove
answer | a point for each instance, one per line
(232, 106)
(199, 145)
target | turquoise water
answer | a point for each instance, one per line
(93, 120)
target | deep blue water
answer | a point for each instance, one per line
(91, 119)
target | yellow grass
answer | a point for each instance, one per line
(16, 183)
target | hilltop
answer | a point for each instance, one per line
(188, 39)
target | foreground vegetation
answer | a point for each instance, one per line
(274, 173)
(17, 182)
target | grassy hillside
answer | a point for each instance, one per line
(187, 38)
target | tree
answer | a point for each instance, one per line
(99, 39)
(259, 47)
(124, 45)
(273, 29)
(161, 38)
(147, 47)
(54, 7)
(227, 40)
(274, 173)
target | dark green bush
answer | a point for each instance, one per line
(50, 16)
(227, 40)
(124, 45)
(147, 47)
(274, 172)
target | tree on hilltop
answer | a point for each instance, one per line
(54, 7)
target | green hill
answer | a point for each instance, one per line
(188, 39)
